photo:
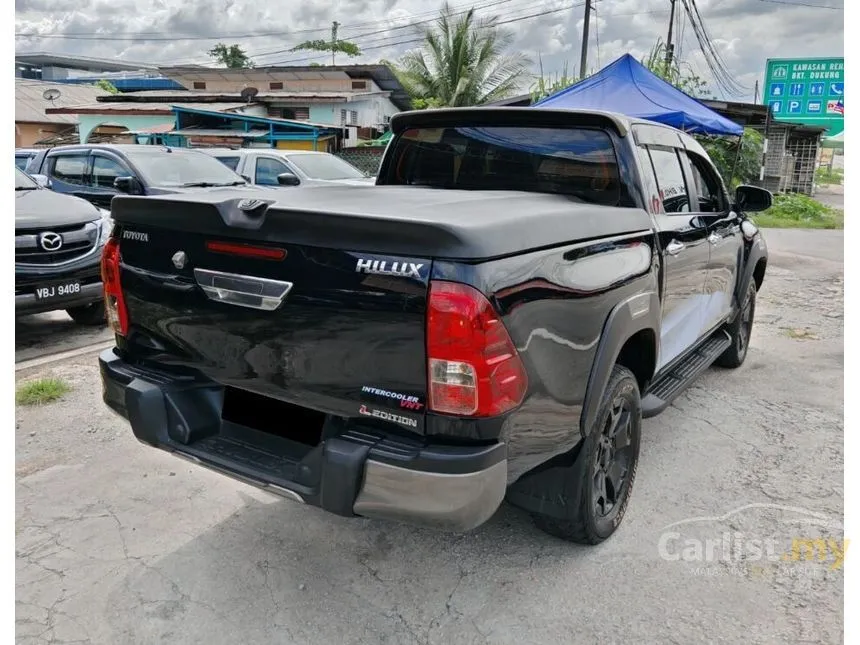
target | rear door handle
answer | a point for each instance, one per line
(675, 247)
(242, 290)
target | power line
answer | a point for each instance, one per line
(804, 4)
(435, 17)
(421, 39)
(149, 36)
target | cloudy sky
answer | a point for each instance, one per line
(744, 32)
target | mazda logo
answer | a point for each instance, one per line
(51, 241)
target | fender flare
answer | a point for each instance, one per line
(638, 313)
(757, 251)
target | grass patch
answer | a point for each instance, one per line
(41, 391)
(793, 210)
(825, 175)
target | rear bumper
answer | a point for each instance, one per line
(354, 471)
(27, 303)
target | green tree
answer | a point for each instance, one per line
(546, 86)
(678, 73)
(107, 86)
(232, 56)
(462, 61)
(723, 151)
(335, 46)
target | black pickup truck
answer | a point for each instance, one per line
(493, 319)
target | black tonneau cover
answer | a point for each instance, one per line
(398, 220)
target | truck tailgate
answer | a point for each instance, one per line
(337, 331)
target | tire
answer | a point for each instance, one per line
(601, 505)
(93, 314)
(740, 330)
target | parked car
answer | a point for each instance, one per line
(99, 172)
(23, 156)
(493, 320)
(271, 167)
(57, 243)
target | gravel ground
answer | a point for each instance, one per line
(117, 543)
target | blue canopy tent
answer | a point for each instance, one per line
(628, 87)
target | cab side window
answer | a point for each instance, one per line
(267, 171)
(69, 169)
(670, 180)
(708, 197)
(105, 170)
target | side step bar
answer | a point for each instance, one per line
(667, 388)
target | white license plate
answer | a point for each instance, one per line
(60, 290)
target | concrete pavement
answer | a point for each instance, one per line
(118, 543)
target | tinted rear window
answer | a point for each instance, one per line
(579, 162)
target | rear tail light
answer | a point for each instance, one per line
(117, 314)
(474, 368)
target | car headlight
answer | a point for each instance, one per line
(106, 226)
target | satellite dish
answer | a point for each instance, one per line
(248, 93)
(51, 94)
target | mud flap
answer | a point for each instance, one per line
(554, 489)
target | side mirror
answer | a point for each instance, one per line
(752, 199)
(288, 179)
(128, 185)
(42, 180)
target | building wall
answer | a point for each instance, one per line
(88, 122)
(27, 134)
(371, 112)
(246, 79)
(323, 144)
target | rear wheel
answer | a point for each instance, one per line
(740, 330)
(93, 314)
(606, 466)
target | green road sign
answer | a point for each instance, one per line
(807, 90)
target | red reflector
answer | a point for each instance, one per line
(115, 309)
(246, 250)
(473, 366)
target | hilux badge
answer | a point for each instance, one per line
(179, 258)
(384, 267)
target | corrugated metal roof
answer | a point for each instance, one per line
(164, 96)
(79, 62)
(153, 108)
(30, 106)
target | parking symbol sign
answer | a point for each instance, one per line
(796, 89)
(794, 107)
(816, 89)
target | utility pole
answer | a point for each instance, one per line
(670, 48)
(334, 26)
(583, 58)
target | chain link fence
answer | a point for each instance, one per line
(365, 158)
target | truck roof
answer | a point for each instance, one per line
(534, 116)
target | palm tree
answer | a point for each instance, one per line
(462, 61)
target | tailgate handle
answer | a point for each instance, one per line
(242, 290)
